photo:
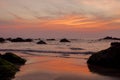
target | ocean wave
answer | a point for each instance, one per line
(45, 51)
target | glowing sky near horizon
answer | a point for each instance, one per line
(60, 18)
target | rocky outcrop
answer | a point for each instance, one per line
(20, 40)
(13, 58)
(109, 58)
(110, 38)
(64, 40)
(7, 70)
(9, 65)
(41, 42)
(112, 72)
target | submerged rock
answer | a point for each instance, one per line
(28, 40)
(41, 42)
(109, 58)
(110, 38)
(20, 40)
(64, 40)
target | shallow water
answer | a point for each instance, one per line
(58, 68)
(54, 61)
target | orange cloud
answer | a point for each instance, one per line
(69, 22)
(77, 21)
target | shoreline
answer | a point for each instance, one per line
(44, 51)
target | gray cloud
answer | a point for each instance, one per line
(15, 15)
(58, 8)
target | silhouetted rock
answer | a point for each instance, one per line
(41, 42)
(64, 40)
(9, 65)
(13, 58)
(109, 58)
(17, 40)
(28, 40)
(9, 39)
(20, 40)
(115, 44)
(110, 38)
(2, 40)
(112, 72)
(7, 70)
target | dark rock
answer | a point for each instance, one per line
(20, 40)
(110, 38)
(7, 70)
(17, 40)
(28, 40)
(107, 37)
(9, 39)
(9, 65)
(64, 40)
(109, 58)
(112, 72)
(115, 44)
(2, 40)
(13, 58)
(41, 42)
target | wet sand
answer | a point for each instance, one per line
(57, 68)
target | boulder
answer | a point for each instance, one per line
(17, 40)
(20, 40)
(41, 42)
(28, 40)
(13, 58)
(64, 40)
(9, 65)
(109, 58)
(7, 70)
(112, 72)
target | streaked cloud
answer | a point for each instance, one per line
(55, 8)
(59, 14)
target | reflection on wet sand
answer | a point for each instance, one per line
(57, 68)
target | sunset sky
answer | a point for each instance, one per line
(59, 18)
